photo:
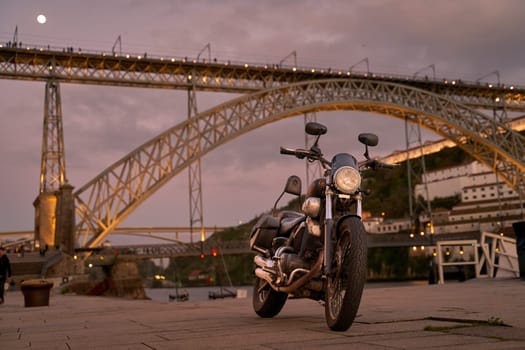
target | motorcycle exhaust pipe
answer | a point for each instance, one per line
(302, 280)
(262, 262)
(260, 271)
(265, 275)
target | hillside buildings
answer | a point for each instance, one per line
(487, 204)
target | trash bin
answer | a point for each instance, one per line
(36, 292)
(519, 230)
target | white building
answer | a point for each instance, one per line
(450, 181)
(487, 204)
(377, 225)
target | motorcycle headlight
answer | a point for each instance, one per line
(347, 179)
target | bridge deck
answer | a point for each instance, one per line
(105, 68)
(234, 247)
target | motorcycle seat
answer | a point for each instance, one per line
(285, 214)
(288, 220)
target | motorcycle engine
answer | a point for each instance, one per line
(289, 262)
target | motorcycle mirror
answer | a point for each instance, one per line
(368, 139)
(313, 128)
(293, 185)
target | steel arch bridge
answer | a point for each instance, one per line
(110, 197)
(276, 91)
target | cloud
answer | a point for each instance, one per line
(463, 39)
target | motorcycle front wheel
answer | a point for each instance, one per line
(267, 302)
(349, 266)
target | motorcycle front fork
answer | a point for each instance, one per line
(330, 238)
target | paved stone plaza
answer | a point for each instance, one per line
(477, 314)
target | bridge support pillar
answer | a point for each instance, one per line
(45, 220)
(65, 219)
(55, 219)
(53, 184)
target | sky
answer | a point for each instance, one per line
(465, 39)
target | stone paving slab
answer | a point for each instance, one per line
(477, 314)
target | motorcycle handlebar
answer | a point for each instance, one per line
(287, 151)
(303, 153)
(299, 153)
(387, 166)
(376, 164)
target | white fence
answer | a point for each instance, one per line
(496, 253)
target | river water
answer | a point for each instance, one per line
(201, 293)
(196, 293)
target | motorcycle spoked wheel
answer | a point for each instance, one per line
(345, 286)
(267, 302)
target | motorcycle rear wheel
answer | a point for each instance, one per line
(267, 302)
(345, 285)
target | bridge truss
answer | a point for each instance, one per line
(102, 68)
(273, 92)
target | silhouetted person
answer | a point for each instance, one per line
(44, 251)
(5, 272)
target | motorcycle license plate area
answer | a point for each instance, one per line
(264, 232)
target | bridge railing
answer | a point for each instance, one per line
(179, 249)
(169, 57)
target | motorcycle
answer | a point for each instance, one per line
(321, 253)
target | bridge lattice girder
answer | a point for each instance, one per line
(230, 247)
(32, 63)
(180, 249)
(106, 200)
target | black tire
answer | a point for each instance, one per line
(266, 301)
(345, 285)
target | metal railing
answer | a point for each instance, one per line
(455, 243)
(499, 253)
(493, 254)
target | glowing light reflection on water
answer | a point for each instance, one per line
(201, 293)
(195, 294)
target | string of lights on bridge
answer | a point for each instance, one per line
(336, 72)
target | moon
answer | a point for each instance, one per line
(41, 19)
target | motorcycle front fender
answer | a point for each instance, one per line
(341, 219)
